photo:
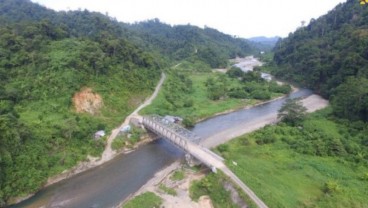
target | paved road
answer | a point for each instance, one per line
(210, 158)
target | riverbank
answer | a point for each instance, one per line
(107, 155)
(181, 187)
(312, 103)
(197, 95)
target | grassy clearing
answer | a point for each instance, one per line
(284, 175)
(145, 200)
(202, 106)
(127, 139)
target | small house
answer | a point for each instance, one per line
(125, 129)
(99, 134)
(172, 119)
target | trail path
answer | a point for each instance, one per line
(109, 153)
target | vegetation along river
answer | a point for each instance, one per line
(110, 183)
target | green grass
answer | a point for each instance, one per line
(167, 190)
(213, 186)
(178, 175)
(118, 143)
(145, 200)
(127, 139)
(282, 177)
(203, 107)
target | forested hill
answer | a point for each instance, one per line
(174, 42)
(262, 43)
(65, 75)
(330, 55)
(186, 41)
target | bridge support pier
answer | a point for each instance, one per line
(191, 161)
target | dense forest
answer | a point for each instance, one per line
(48, 57)
(190, 42)
(42, 65)
(330, 55)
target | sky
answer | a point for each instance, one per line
(241, 18)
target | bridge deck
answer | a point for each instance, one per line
(183, 139)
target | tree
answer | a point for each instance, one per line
(292, 112)
(351, 99)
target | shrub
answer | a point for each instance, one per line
(177, 175)
(223, 148)
(331, 187)
(261, 94)
(188, 122)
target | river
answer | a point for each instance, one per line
(112, 182)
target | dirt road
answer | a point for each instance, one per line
(108, 154)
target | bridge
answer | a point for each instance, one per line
(188, 141)
(184, 139)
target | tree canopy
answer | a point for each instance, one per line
(292, 112)
(330, 56)
(46, 57)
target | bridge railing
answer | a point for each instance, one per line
(176, 128)
(155, 125)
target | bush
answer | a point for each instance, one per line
(238, 93)
(118, 143)
(177, 175)
(331, 187)
(261, 94)
(223, 148)
(235, 72)
(188, 122)
(274, 87)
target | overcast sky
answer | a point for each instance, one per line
(243, 18)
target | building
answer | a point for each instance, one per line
(99, 134)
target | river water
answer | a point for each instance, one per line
(112, 182)
(107, 185)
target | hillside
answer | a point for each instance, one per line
(65, 75)
(264, 43)
(190, 42)
(330, 56)
(43, 65)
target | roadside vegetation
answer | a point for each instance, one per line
(127, 139)
(195, 94)
(319, 162)
(145, 200)
(213, 186)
